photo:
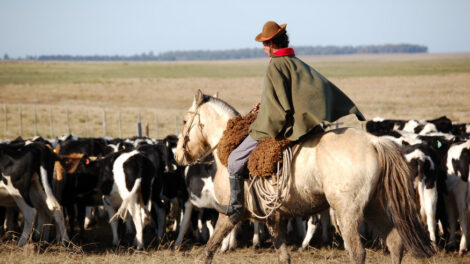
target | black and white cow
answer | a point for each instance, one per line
(457, 171)
(123, 181)
(321, 220)
(378, 125)
(419, 159)
(161, 156)
(26, 169)
(200, 186)
(157, 153)
(439, 195)
(424, 158)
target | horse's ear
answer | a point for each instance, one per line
(198, 97)
(216, 95)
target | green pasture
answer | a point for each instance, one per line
(96, 72)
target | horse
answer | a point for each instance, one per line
(361, 176)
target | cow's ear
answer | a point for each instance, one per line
(71, 164)
(58, 170)
(57, 149)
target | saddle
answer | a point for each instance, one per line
(263, 159)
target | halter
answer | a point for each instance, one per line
(185, 136)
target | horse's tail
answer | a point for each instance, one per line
(398, 197)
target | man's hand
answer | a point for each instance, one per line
(255, 108)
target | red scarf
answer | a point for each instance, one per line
(284, 52)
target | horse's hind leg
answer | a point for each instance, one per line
(349, 222)
(279, 239)
(376, 217)
(222, 228)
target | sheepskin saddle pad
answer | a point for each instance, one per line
(263, 159)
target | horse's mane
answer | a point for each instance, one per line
(220, 105)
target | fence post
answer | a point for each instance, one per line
(139, 126)
(156, 126)
(20, 110)
(68, 122)
(104, 123)
(35, 122)
(120, 124)
(51, 122)
(86, 123)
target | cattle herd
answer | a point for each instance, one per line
(53, 189)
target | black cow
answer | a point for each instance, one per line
(90, 146)
(461, 130)
(69, 190)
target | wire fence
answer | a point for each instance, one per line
(28, 121)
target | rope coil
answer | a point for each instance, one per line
(270, 200)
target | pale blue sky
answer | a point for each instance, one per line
(109, 27)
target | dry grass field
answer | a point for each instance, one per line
(419, 86)
(403, 86)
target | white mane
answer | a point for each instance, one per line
(222, 107)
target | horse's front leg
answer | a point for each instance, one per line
(222, 228)
(279, 239)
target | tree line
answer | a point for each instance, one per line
(234, 54)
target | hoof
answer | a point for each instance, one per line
(176, 248)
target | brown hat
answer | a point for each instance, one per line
(270, 30)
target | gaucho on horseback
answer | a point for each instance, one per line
(363, 178)
(295, 102)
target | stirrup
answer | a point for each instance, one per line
(236, 216)
(223, 209)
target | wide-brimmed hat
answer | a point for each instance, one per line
(270, 30)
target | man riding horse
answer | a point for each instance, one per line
(296, 99)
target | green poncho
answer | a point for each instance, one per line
(295, 99)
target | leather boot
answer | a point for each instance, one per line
(237, 199)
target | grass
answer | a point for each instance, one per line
(55, 254)
(35, 73)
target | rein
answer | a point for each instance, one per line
(207, 152)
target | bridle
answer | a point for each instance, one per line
(185, 135)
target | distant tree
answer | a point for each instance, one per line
(239, 53)
(6, 57)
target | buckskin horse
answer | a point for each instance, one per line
(362, 177)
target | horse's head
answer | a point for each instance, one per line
(192, 142)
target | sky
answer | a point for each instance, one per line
(119, 27)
